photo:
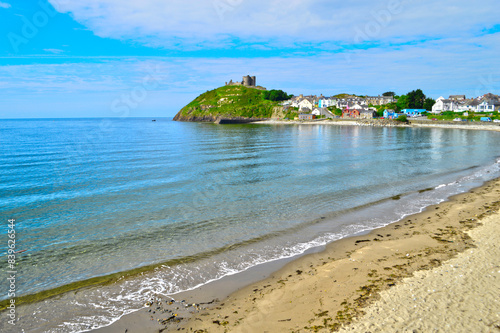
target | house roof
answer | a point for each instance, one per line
(360, 110)
(490, 96)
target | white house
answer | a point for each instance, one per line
(461, 107)
(326, 102)
(359, 106)
(323, 112)
(305, 104)
(351, 102)
(379, 100)
(442, 104)
(487, 106)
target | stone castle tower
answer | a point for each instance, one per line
(248, 81)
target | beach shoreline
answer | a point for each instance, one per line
(328, 210)
(482, 126)
(329, 289)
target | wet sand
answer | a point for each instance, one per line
(334, 288)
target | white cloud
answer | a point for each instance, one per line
(195, 23)
(54, 51)
(4, 5)
(439, 68)
(81, 77)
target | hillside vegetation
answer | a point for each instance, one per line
(229, 102)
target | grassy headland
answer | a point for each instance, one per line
(229, 102)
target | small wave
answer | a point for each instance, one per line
(109, 305)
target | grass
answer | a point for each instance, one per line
(473, 116)
(230, 101)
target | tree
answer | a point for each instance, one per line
(429, 102)
(389, 93)
(391, 105)
(276, 95)
(416, 99)
(402, 102)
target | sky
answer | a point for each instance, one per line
(149, 58)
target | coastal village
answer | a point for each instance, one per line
(369, 107)
(386, 106)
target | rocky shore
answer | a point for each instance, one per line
(218, 120)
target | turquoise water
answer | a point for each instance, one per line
(93, 197)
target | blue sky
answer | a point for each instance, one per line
(117, 58)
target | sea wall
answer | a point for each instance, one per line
(488, 126)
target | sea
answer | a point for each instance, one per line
(109, 212)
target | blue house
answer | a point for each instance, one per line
(413, 112)
(390, 114)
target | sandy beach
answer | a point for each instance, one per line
(433, 269)
(459, 296)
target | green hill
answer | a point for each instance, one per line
(345, 95)
(228, 102)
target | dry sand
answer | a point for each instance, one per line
(404, 266)
(462, 295)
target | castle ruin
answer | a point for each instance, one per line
(248, 81)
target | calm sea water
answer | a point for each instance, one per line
(93, 197)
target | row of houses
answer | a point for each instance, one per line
(392, 114)
(359, 107)
(317, 112)
(308, 103)
(458, 103)
(361, 113)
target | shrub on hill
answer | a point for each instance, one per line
(402, 118)
(276, 95)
